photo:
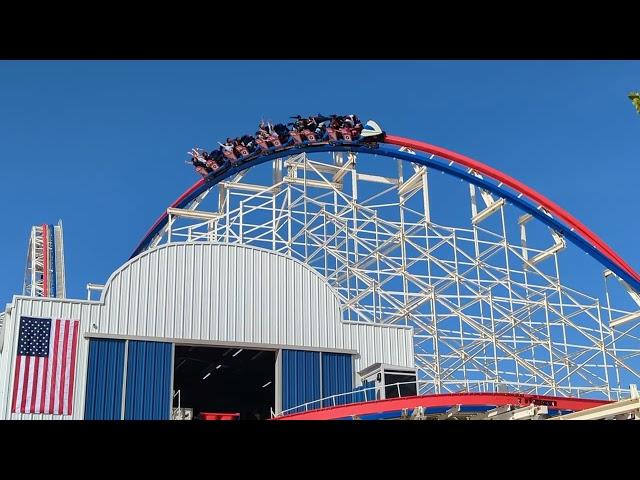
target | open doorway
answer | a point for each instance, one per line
(225, 380)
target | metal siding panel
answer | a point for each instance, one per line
(202, 283)
(337, 377)
(233, 279)
(300, 378)
(162, 307)
(187, 288)
(125, 302)
(283, 302)
(180, 299)
(134, 309)
(148, 395)
(207, 286)
(104, 380)
(169, 312)
(223, 293)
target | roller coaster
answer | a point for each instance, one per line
(489, 309)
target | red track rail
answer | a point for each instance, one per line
(445, 400)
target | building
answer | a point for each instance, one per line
(180, 318)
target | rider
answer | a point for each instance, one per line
(217, 157)
(321, 123)
(299, 124)
(263, 130)
(248, 141)
(200, 166)
(335, 122)
(228, 145)
(354, 120)
(282, 131)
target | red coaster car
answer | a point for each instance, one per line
(297, 138)
(242, 150)
(228, 154)
(271, 139)
(212, 165)
(309, 135)
(275, 141)
(347, 134)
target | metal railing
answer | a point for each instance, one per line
(423, 387)
(321, 402)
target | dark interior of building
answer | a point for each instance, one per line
(225, 380)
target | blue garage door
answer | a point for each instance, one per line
(309, 376)
(300, 378)
(104, 379)
(337, 377)
(148, 394)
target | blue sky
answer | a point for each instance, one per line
(102, 145)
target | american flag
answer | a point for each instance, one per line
(45, 366)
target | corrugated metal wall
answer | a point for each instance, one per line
(337, 377)
(300, 378)
(149, 381)
(104, 380)
(308, 376)
(183, 292)
(240, 294)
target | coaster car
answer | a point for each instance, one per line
(212, 165)
(345, 133)
(241, 150)
(230, 155)
(267, 142)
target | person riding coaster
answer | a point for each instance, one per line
(199, 162)
(240, 148)
(248, 142)
(268, 134)
(214, 160)
(227, 150)
(315, 129)
(347, 128)
(322, 123)
(233, 150)
(302, 127)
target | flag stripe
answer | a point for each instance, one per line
(50, 365)
(43, 384)
(63, 357)
(54, 369)
(72, 368)
(25, 375)
(58, 371)
(21, 385)
(30, 381)
(37, 386)
(34, 384)
(66, 361)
